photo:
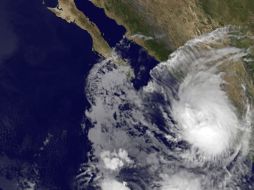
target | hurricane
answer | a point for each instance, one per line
(189, 128)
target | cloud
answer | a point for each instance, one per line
(115, 160)
(181, 181)
(140, 36)
(204, 113)
(111, 184)
(176, 126)
(8, 38)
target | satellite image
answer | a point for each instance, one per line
(127, 95)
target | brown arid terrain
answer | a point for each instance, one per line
(161, 26)
(68, 11)
(171, 23)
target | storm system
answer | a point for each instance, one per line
(185, 129)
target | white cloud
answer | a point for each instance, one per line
(204, 113)
(111, 184)
(181, 181)
(115, 160)
(203, 117)
(143, 37)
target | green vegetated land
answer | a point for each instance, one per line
(167, 24)
(237, 12)
(177, 20)
(181, 20)
(135, 23)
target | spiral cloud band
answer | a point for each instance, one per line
(186, 129)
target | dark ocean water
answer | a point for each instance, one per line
(112, 32)
(140, 61)
(43, 64)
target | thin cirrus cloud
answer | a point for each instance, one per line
(8, 38)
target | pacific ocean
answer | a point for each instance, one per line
(43, 64)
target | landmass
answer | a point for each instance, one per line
(170, 23)
(67, 10)
(161, 26)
